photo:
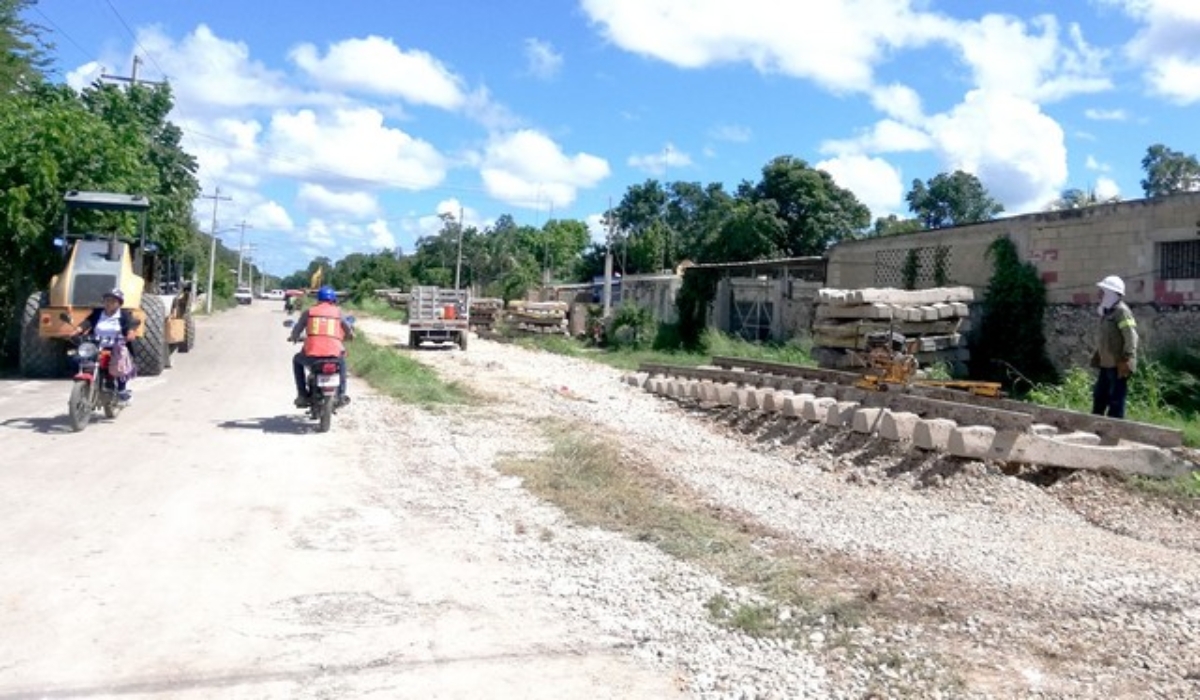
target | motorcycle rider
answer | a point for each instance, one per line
(324, 330)
(109, 322)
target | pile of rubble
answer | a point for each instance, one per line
(538, 317)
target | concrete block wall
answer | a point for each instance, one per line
(1071, 249)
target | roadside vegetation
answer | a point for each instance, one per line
(593, 481)
(391, 372)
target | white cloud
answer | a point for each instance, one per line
(874, 181)
(526, 168)
(84, 75)
(1016, 151)
(1030, 62)
(270, 216)
(733, 133)
(836, 44)
(898, 102)
(1166, 46)
(1097, 166)
(1106, 115)
(381, 235)
(886, 136)
(542, 60)
(351, 146)
(212, 75)
(321, 200)
(661, 163)
(376, 65)
(1107, 188)
(596, 227)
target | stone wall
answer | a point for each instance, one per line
(1071, 250)
(1071, 331)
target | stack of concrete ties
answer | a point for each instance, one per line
(542, 317)
(972, 432)
(485, 312)
(934, 322)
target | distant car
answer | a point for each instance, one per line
(244, 295)
(274, 295)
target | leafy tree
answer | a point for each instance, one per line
(1011, 335)
(1075, 198)
(892, 225)
(1169, 172)
(951, 200)
(24, 53)
(816, 212)
(753, 230)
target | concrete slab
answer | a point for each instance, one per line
(746, 398)
(1143, 460)
(898, 426)
(971, 441)
(839, 414)
(814, 410)
(793, 405)
(727, 394)
(773, 401)
(866, 420)
(933, 433)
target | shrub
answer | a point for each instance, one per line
(632, 327)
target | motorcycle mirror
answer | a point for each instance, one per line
(64, 317)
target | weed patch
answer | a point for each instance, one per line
(403, 378)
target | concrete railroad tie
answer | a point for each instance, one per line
(1040, 445)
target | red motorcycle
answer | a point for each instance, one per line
(94, 388)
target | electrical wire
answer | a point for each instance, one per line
(133, 35)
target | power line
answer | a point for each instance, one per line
(133, 35)
(60, 31)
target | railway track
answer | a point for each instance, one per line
(924, 417)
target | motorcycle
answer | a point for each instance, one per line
(93, 387)
(324, 376)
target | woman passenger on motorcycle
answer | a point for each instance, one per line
(108, 323)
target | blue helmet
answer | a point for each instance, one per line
(326, 293)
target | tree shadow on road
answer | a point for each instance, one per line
(286, 425)
(50, 426)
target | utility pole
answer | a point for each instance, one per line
(458, 265)
(212, 253)
(132, 79)
(241, 248)
(608, 263)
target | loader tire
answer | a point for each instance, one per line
(150, 352)
(41, 358)
(189, 333)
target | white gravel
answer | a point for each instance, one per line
(1080, 589)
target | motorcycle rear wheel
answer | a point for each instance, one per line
(79, 406)
(326, 416)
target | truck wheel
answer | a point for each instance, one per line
(414, 340)
(189, 333)
(150, 352)
(462, 340)
(40, 357)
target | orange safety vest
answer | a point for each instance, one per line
(323, 335)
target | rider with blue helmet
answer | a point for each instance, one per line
(324, 330)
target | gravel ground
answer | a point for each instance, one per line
(984, 585)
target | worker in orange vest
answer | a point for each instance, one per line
(324, 330)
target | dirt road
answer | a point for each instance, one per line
(207, 543)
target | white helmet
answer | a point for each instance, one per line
(1113, 284)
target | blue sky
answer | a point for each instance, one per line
(342, 127)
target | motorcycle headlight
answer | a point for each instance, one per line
(87, 351)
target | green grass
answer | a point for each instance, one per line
(1146, 401)
(589, 478)
(714, 343)
(377, 308)
(391, 372)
